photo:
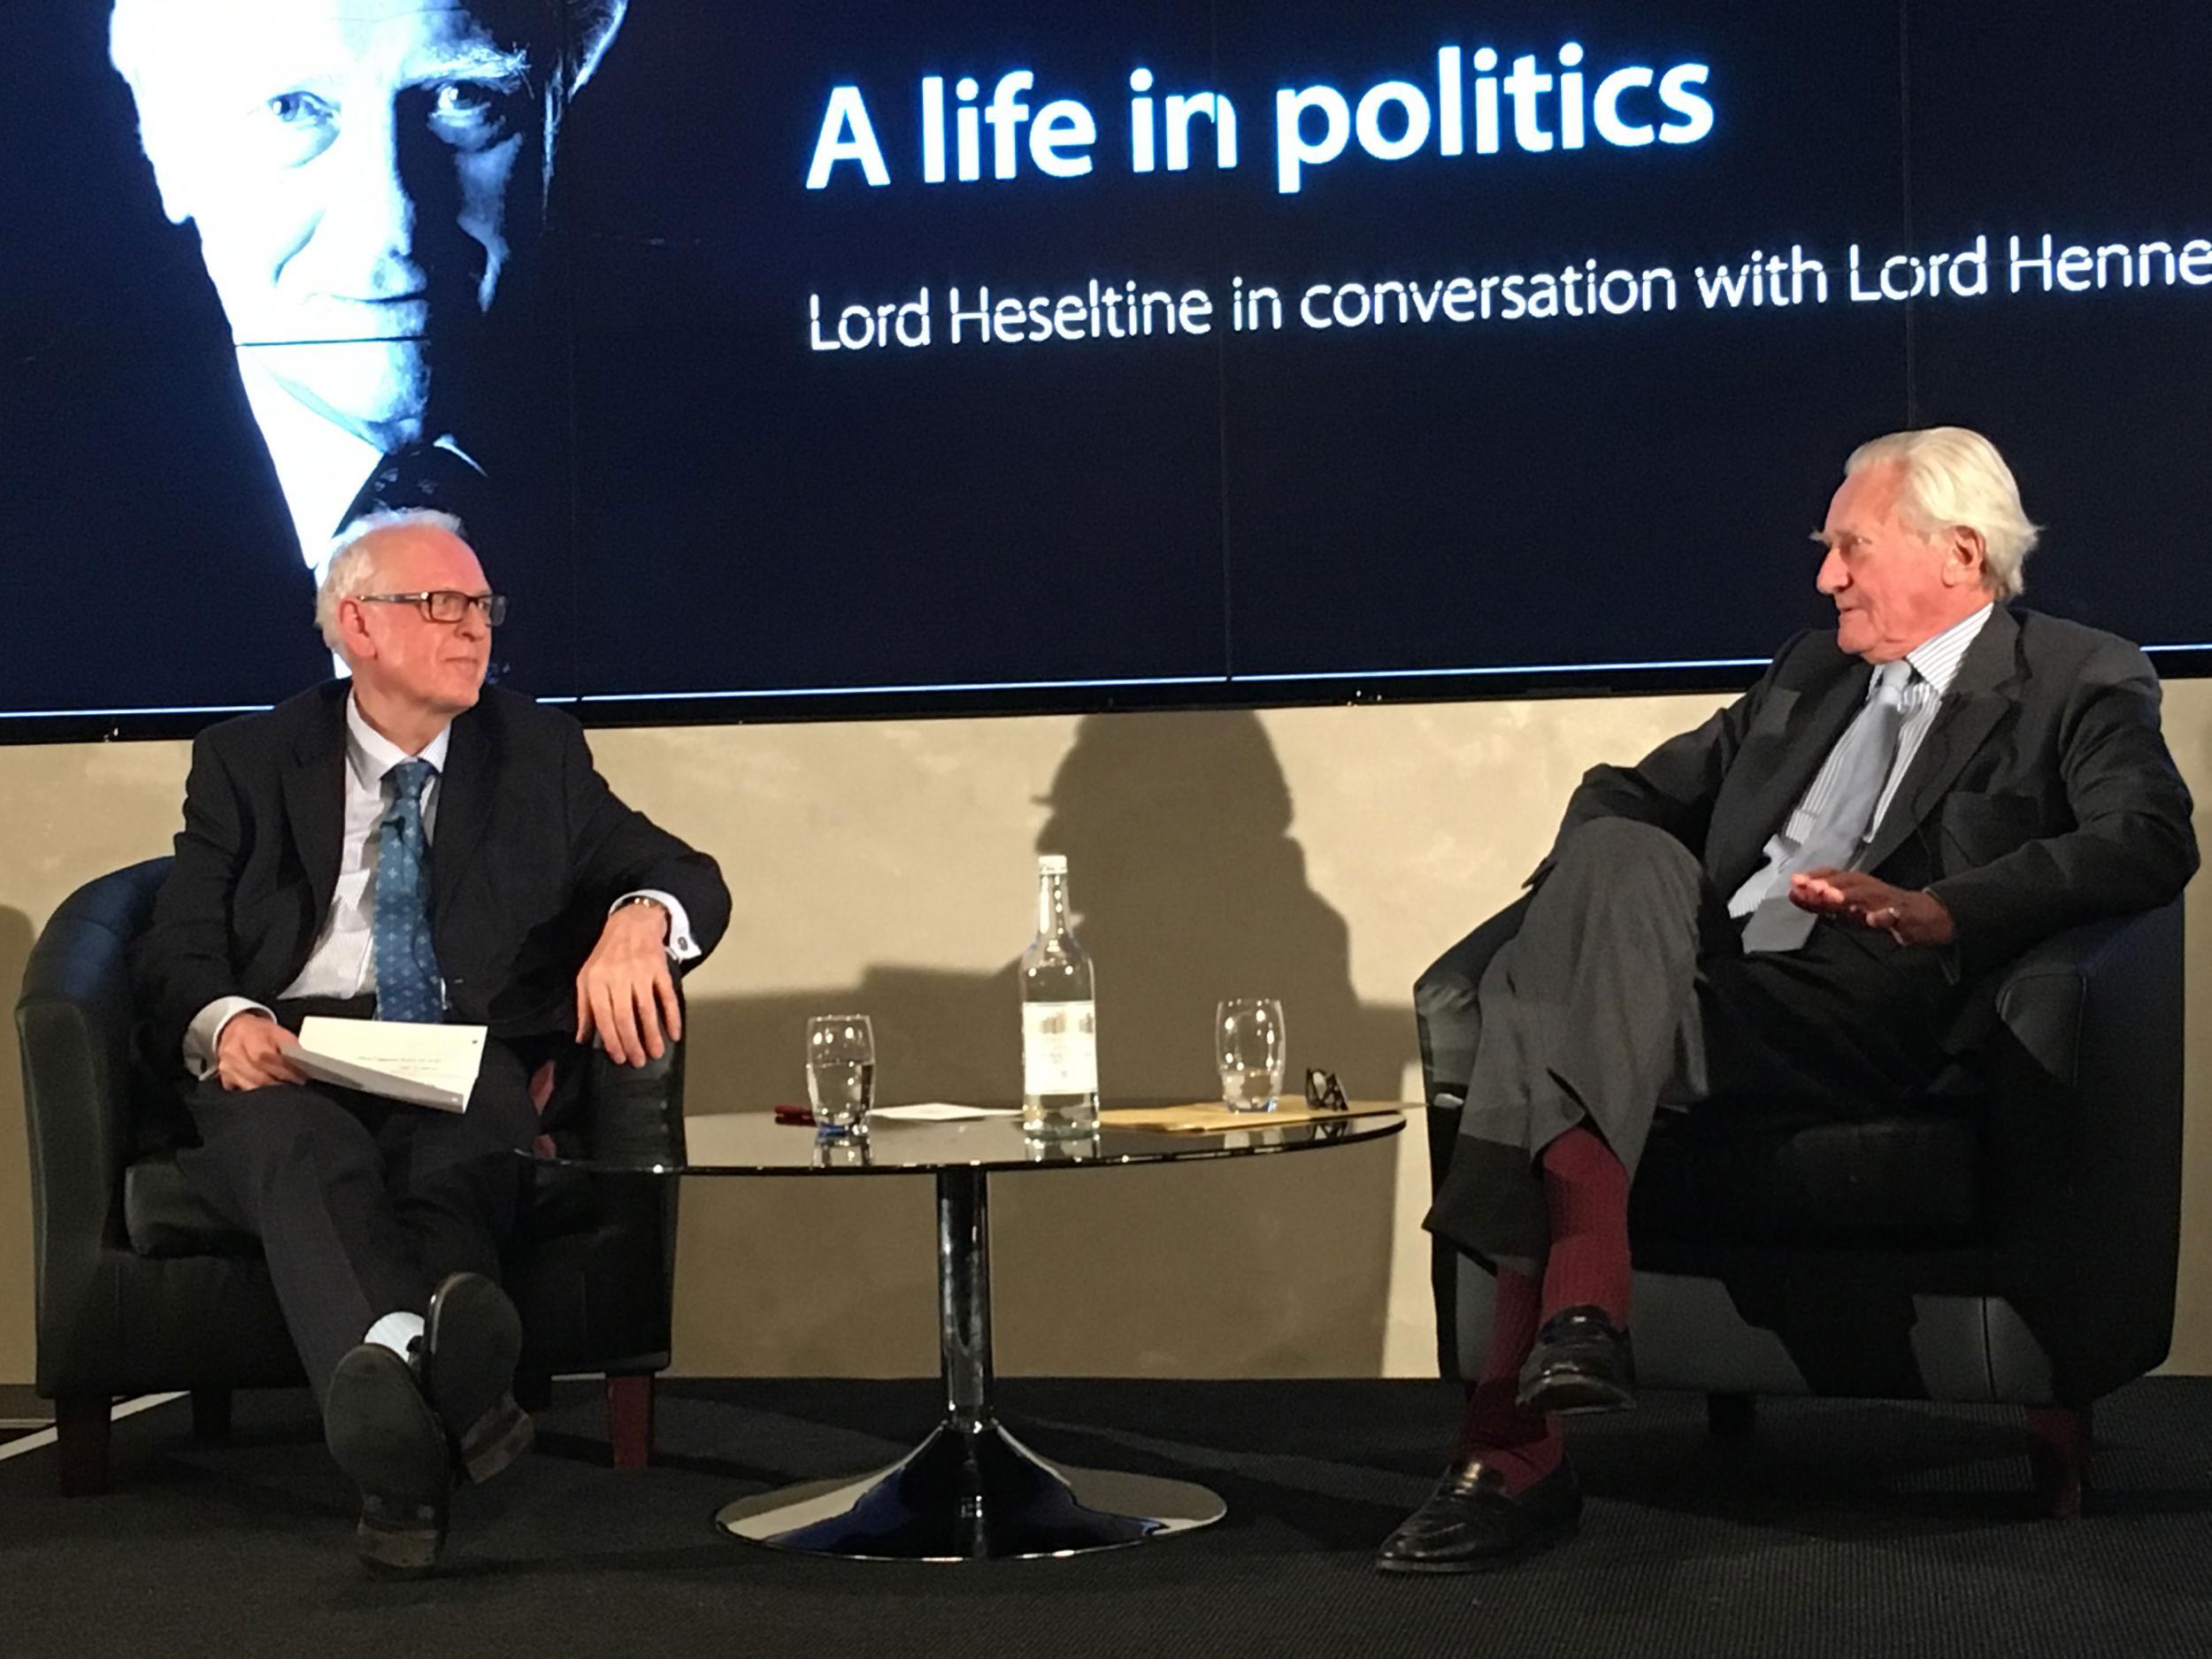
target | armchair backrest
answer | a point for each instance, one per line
(74, 1025)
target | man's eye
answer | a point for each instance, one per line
(298, 127)
(470, 112)
(298, 109)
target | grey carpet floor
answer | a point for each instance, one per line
(1838, 1529)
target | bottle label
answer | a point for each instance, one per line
(1059, 1047)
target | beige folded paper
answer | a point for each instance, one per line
(1214, 1119)
(423, 1065)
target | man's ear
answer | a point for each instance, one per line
(1967, 560)
(138, 39)
(360, 645)
(167, 146)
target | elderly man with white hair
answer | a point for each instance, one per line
(1787, 905)
(366, 179)
(404, 844)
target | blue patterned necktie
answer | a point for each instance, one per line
(1845, 822)
(407, 982)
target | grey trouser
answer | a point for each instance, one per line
(1625, 990)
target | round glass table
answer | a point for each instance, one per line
(970, 1491)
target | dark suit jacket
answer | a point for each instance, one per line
(2043, 795)
(531, 848)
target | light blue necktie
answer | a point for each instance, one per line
(407, 985)
(1836, 838)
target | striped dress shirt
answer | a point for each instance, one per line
(1935, 665)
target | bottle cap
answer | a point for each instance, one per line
(1052, 864)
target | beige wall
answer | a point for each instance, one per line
(1322, 855)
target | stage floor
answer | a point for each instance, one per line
(1836, 1529)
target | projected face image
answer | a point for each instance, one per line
(357, 171)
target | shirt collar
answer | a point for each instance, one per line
(1937, 660)
(369, 754)
(320, 467)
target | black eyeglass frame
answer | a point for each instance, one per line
(431, 600)
(1324, 1093)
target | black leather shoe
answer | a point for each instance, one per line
(1581, 1364)
(471, 1340)
(385, 1436)
(1471, 1523)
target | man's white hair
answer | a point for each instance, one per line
(1956, 479)
(143, 33)
(351, 568)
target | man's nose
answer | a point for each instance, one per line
(1834, 579)
(369, 227)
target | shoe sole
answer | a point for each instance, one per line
(472, 1340)
(383, 1434)
(396, 1543)
(1576, 1395)
(495, 1440)
(1482, 1563)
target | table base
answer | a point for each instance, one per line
(970, 1494)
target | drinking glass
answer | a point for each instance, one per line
(1252, 1052)
(841, 1071)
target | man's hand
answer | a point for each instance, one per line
(253, 1051)
(1853, 897)
(626, 993)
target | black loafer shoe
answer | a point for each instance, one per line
(1581, 1364)
(471, 1340)
(1471, 1523)
(385, 1436)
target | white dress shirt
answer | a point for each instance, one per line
(1935, 665)
(320, 467)
(342, 961)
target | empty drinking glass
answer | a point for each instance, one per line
(1250, 1047)
(841, 1071)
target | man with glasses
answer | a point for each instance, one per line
(407, 844)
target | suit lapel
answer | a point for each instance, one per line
(314, 799)
(466, 789)
(1984, 693)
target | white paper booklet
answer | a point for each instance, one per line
(423, 1066)
(938, 1111)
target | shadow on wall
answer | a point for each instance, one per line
(17, 1341)
(1188, 888)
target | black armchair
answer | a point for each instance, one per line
(140, 1288)
(2013, 1242)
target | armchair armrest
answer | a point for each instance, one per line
(2083, 1063)
(635, 1114)
(1446, 1019)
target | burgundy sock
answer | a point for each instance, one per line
(1586, 1191)
(1523, 1446)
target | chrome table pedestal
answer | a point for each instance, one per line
(970, 1491)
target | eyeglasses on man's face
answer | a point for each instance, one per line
(445, 604)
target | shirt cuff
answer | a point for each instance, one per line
(682, 947)
(206, 1030)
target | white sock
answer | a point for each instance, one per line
(395, 1331)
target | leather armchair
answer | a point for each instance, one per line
(2014, 1242)
(141, 1289)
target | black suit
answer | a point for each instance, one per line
(362, 1205)
(2042, 796)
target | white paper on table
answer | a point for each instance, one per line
(423, 1066)
(939, 1111)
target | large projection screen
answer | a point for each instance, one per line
(860, 359)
